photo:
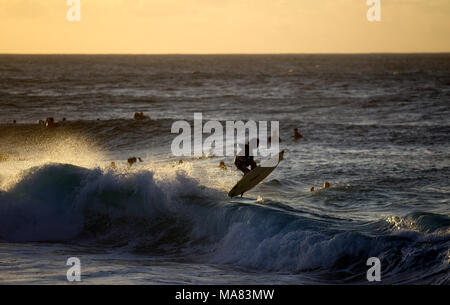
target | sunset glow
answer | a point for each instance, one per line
(224, 26)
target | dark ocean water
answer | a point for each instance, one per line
(375, 126)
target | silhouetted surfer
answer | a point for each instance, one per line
(243, 162)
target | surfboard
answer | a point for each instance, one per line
(254, 177)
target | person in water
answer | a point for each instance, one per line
(50, 122)
(222, 165)
(242, 162)
(140, 116)
(297, 135)
(133, 160)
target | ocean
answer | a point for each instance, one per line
(376, 127)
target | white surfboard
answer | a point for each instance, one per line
(254, 177)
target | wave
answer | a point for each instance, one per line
(20, 140)
(58, 202)
(421, 222)
(174, 215)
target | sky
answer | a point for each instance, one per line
(224, 26)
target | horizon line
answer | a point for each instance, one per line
(237, 53)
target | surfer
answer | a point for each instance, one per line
(222, 165)
(243, 162)
(133, 160)
(297, 135)
(50, 122)
(140, 116)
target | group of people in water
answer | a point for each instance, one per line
(244, 163)
(50, 121)
(130, 162)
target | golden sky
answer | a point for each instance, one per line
(224, 26)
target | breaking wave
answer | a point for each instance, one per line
(174, 215)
